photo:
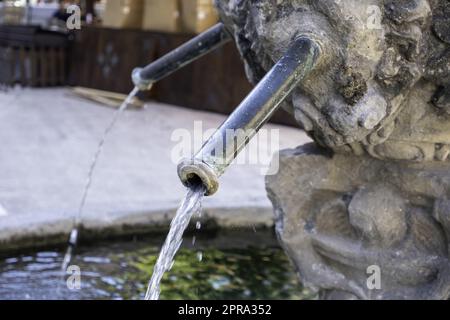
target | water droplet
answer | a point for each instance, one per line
(200, 256)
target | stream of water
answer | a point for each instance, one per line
(190, 205)
(77, 219)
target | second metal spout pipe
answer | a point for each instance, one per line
(204, 43)
(244, 123)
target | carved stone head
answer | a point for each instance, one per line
(383, 86)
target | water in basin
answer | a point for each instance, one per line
(236, 265)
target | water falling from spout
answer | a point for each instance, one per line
(190, 205)
(97, 154)
(77, 219)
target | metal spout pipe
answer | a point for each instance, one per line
(244, 123)
(211, 39)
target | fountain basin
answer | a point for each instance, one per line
(250, 266)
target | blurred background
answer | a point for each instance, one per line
(60, 85)
(37, 50)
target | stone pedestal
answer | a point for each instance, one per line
(358, 227)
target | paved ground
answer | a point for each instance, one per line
(48, 138)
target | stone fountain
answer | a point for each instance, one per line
(371, 197)
(364, 212)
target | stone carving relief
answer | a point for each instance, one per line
(375, 189)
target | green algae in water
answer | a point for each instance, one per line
(251, 273)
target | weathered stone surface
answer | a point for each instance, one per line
(382, 61)
(380, 95)
(338, 215)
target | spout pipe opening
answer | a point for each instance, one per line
(192, 173)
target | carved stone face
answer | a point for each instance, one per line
(374, 53)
